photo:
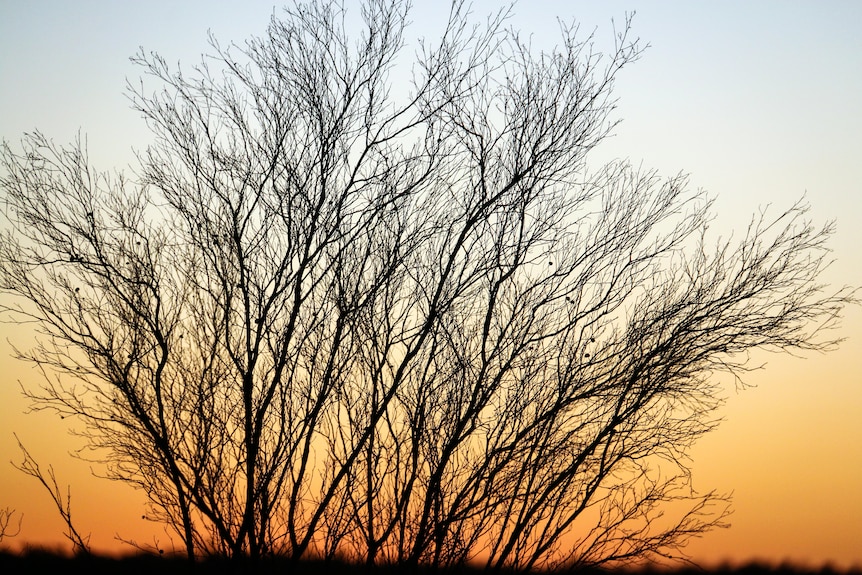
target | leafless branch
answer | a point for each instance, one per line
(8, 528)
(29, 466)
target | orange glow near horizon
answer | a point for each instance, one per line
(795, 487)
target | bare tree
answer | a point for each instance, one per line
(332, 317)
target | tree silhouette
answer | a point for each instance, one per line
(332, 316)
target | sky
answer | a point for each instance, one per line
(760, 102)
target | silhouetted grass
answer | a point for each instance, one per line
(38, 561)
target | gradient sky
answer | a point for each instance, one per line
(761, 102)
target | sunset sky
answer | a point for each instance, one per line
(760, 102)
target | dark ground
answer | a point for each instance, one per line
(39, 561)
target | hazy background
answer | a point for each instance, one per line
(760, 102)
